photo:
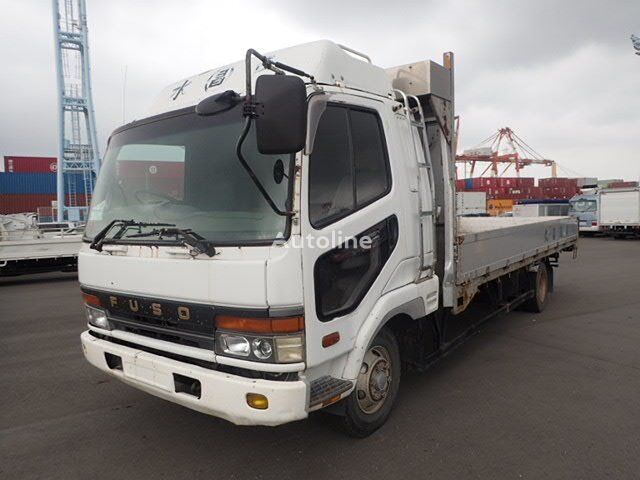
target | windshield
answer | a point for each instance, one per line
(583, 205)
(183, 170)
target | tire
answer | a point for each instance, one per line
(541, 280)
(370, 404)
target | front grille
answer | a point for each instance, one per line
(157, 313)
(161, 333)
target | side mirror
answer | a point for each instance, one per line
(281, 121)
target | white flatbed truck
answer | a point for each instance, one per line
(26, 248)
(306, 245)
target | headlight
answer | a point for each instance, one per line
(272, 349)
(262, 348)
(260, 339)
(235, 345)
(97, 317)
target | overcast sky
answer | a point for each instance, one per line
(562, 74)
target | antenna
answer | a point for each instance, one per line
(124, 94)
(78, 156)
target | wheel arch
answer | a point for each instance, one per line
(394, 310)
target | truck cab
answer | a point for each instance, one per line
(584, 207)
(270, 239)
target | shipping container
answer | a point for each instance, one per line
(471, 203)
(558, 182)
(586, 181)
(623, 184)
(14, 164)
(24, 202)
(38, 183)
(605, 183)
(27, 183)
(526, 182)
(498, 206)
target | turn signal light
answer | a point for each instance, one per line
(257, 401)
(260, 325)
(330, 339)
(91, 300)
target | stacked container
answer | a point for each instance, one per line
(25, 192)
(558, 188)
(29, 183)
(508, 188)
(623, 185)
(30, 164)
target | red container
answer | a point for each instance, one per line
(30, 164)
(534, 193)
(508, 181)
(623, 184)
(460, 185)
(24, 202)
(526, 182)
(558, 182)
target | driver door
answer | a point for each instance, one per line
(346, 201)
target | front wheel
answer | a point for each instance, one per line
(370, 404)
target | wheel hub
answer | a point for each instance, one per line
(374, 380)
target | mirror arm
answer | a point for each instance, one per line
(277, 67)
(256, 180)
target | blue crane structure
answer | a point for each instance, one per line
(636, 43)
(78, 156)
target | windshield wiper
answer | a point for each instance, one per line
(99, 239)
(183, 236)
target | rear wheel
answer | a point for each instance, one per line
(369, 405)
(541, 280)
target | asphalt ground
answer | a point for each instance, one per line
(553, 395)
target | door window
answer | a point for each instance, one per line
(349, 166)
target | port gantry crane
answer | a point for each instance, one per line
(503, 147)
(78, 155)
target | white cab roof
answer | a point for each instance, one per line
(328, 62)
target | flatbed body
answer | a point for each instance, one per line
(45, 247)
(490, 245)
(29, 249)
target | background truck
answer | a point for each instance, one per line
(619, 213)
(310, 247)
(584, 207)
(28, 247)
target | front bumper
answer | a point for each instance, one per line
(222, 395)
